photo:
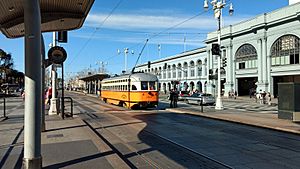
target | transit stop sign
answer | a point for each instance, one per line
(57, 55)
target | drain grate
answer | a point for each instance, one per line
(54, 135)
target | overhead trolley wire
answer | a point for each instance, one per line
(161, 32)
(96, 29)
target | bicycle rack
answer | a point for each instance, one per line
(63, 114)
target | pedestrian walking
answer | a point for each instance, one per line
(175, 98)
(48, 95)
(269, 98)
(171, 98)
(261, 98)
(235, 95)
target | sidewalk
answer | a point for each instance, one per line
(65, 143)
(264, 118)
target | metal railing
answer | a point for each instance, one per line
(63, 113)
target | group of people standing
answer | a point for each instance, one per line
(263, 97)
(173, 97)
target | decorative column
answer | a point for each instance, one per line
(95, 87)
(230, 71)
(263, 81)
(259, 65)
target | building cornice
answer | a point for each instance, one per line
(181, 55)
(262, 22)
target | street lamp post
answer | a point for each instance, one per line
(218, 5)
(126, 51)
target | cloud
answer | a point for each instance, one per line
(156, 22)
(191, 40)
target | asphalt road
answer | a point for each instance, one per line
(164, 139)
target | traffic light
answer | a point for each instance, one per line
(149, 64)
(62, 37)
(224, 62)
(215, 49)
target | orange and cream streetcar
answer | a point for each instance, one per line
(137, 90)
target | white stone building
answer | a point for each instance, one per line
(260, 53)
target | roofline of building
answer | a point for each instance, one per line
(253, 28)
(183, 54)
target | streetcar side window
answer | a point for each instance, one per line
(144, 85)
(152, 85)
(134, 87)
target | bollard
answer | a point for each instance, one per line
(201, 104)
(4, 108)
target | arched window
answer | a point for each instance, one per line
(185, 67)
(179, 70)
(159, 72)
(164, 72)
(192, 66)
(169, 71)
(246, 57)
(199, 68)
(285, 50)
(174, 71)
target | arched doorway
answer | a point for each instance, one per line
(169, 86)
(199, 86)
(165, 88)
(192, 86)
(185, 86)
(246, 58)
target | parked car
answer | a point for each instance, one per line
(207, 99)
(183, 94)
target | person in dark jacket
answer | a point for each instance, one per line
(171, 98)
(175, 98)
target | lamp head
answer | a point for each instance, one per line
(205, 6)
(231, 10)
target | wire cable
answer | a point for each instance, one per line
(96, 29)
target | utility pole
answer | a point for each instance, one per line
(54, 106)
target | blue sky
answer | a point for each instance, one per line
(132, 23)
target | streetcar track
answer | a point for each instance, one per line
(123, 157)
(116, 109)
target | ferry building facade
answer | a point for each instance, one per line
(260, 53)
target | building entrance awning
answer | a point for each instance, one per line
(56, 15)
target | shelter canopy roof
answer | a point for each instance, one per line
(100, 77)
(56, 15)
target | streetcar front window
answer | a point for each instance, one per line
(144, 85)
(134, 87)
(152, 85)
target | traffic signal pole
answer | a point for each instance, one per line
(219, 103)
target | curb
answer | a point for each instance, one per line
(193, 113)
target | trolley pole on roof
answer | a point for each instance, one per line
(32, 119)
